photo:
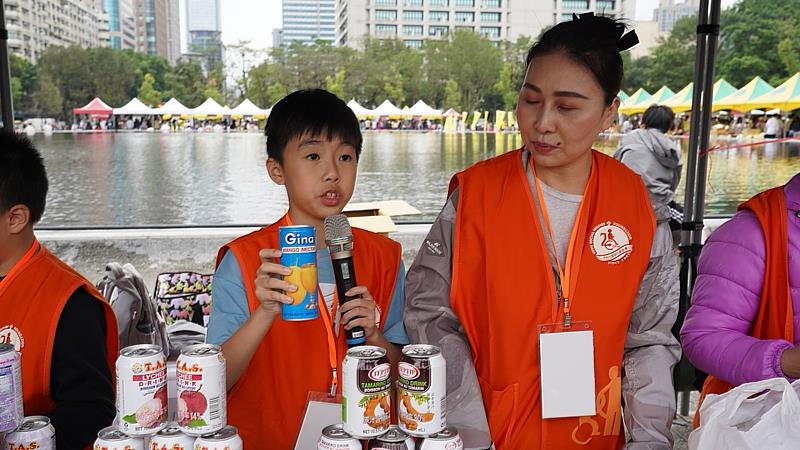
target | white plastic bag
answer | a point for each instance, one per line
(735, 421)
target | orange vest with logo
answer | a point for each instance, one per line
(503, 287)
(32, 297)
(774, 319)
(268, 401)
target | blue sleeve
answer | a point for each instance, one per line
(229, 309)
(394, 330)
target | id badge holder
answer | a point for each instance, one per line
(566, 356)
(321, 410)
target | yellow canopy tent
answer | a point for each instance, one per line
(623, 96)
(639, 96)
(744, 99)
(682, 101)
(785, 97)
(658, 98)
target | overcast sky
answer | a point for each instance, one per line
(253, 20)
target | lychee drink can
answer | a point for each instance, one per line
(226, 438)
(171, 438)
(447, 439)
(421, 390)
(335, 438)
(141, 390)
(299, 253)
(366, 392)
(11, 412)
(112, 438)
(200, 379)
(35, 432)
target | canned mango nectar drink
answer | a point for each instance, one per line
(299, 253)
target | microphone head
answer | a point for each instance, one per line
(338, 232)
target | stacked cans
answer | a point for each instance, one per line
(367, 400)
(142, 402)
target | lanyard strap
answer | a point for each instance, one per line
(327, 319)
(566, 274)
(21, 263)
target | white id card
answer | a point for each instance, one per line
(567, 369)
(321, 411)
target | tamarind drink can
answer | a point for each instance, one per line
(112, 438)
(335, 438)
(447, 439)
(366, 392)
(421, 390)
(226, 438)
(35, 432)
(141, 390)
(200, 378)
(393, 439)
(299, 253)
(171, 438)
(11, 411)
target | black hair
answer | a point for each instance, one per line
(592, 41)
(659, 117)
(23, 179)
(316, 112)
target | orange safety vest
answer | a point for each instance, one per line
(32, 296)
(268, 401)
(774, 319)
(503, 287)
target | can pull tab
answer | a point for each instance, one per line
(334, 383)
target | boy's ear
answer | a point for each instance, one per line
(18, 217)
(275, 171)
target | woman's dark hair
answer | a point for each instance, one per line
(659, 117)
(594, 42)
(310, 111)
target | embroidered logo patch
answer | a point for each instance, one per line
(433, 248)
(9, 334)
(611, 242)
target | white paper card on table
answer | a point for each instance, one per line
(567, 366)
(318, 416)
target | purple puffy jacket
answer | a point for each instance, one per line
(727, 295)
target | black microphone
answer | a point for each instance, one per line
(339, 237)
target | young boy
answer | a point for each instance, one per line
(64, 329)
(313, 145)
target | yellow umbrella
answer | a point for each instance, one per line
(639, 96)
(785, 97)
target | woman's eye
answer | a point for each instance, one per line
(532, 102)
(566, 108)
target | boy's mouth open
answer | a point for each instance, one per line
(331, 198)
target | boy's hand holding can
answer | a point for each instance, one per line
(270, 287)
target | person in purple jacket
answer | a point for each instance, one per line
(717, 335)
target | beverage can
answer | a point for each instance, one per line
(447, 439)
(366, 392)
(201, 405)
(11, 409)
(421, 390)
(299, 253)
(112, 438)
(335, 438)
(35, 432)
(141, 390)
(226, 438)
(171, 438)
(393, 439)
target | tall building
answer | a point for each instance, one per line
(204, 29)
(173, 19)
(308, 20)
(414, 21)
(668, 12)
(277, 37)
(34, 26)
(121, 23)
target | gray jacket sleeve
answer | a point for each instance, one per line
(430, 320)
(651, 351)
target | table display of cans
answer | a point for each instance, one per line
(11, 412)
(35, 432)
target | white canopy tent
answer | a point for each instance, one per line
(422, 109)
(208, 108)
(388, 109)
(134, 108)
(248, 109)
(359, 110)
(173, 107)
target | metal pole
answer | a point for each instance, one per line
(6, 99)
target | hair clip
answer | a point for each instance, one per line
(627, 40)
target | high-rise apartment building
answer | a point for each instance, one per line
(173, 19)
(204, 29)
(151, 26)
(121, 23)
(35, 25)
(308, 20)
(414, 21)
(668, 12)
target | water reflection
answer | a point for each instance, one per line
(211, 179)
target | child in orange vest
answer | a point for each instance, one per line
(63, 328)
(313, 145)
